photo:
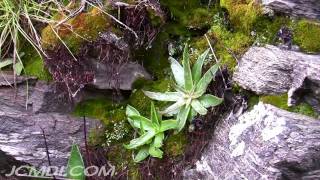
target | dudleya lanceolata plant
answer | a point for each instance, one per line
(190, 98)
(151, 133)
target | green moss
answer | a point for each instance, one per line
(306, 35)
(36, 68)
(82, 28)
(175, 145)
(243, 13)
(267, 28)
(228, 45)
(281, 102)
(122, 160)
(34, 65)
(192, 13)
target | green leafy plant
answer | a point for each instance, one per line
(76, 167)
(17, 25)
(151, 133)
(190, 98)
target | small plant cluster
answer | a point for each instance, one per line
(189, 100)
(118, 132)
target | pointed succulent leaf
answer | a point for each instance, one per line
(142, 154)
(173, 108)
(209, 100)
(130, 111)
(197, 67)
(171, 113)
(168, 124)
(75, 169)
(192, 114)
(177, 71)
(134, 143)
(188, 83)
(138, 121)
(197, 106)
(206, 79)
(5, 63)
(154, 116)
(141, 130)
(179, 89)
(158, 139)
(18, 67)
(155, 152)
(182, 117)
(167, 96)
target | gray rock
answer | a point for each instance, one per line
(21, 137)
(264, 143)
(301, 8)
(123, 78)
(271, 70)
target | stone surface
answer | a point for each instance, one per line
(122, 79)
(272, 70)
(302, 8)
(264, 143)
(21, 137)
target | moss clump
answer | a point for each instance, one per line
(82, 28)
(306, 35)
(228, 45)
(112, 115)
(192, 13)
(267, 28)
(36, 68)
(175, 145)
(243, 13)
(34, 65)
(281, 102)
(122, 160)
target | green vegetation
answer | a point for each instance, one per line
(191, 14)
(151, 133)
(306, 35)
(243, 13)
(175, 145)
(76, 165)
(17, 26)
(189, 97)
(281, 102)
(84, 27)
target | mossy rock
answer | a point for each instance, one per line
(280, 101)
(306, 35)
(85, 27)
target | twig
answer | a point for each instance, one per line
(47, 152)
(217, 61)
(85, 138)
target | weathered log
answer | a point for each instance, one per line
(271, 70)
(21, 134)
(302, 8)
(264, 143)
